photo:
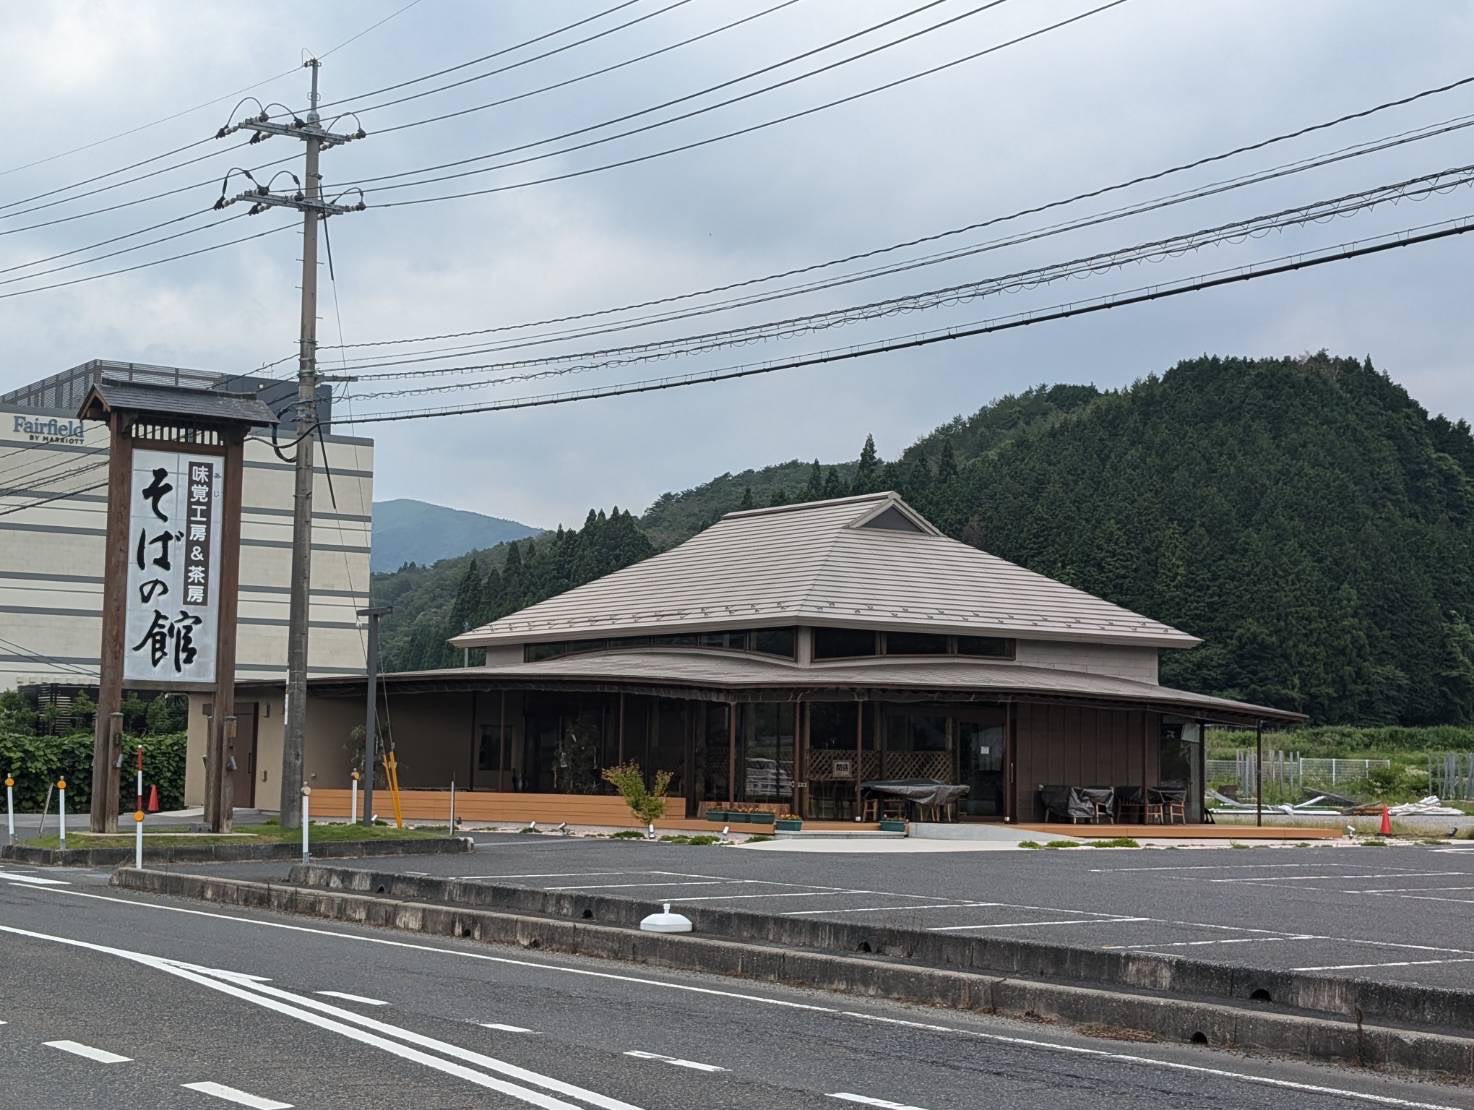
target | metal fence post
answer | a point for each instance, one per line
(61, 808)
(306, 793)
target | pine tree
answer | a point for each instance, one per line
(867, 470)
(814, 487)
(780, 497)
(833, 487)
(746, 502)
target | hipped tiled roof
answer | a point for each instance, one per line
(819, 564)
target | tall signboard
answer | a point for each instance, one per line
(172, 608)
(171, 566)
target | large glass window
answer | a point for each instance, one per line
(995, 647)
(765, 641)
(765, 752)
(843, 643)
(774, 641)
(915, 643)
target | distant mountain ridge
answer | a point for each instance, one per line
(409, 531)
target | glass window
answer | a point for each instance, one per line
(765, 758)
(731, 641)
(843, 643)
(774, 641)
(995, 647)
(531, 653)
(915, 643)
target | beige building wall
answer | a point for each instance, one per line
(1139, 663)
(51, 556)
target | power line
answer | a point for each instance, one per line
(1320, 210)
(678, 100)
(519, 64)
(124, 250)
(21, 649)
(1240, 274)
(669, 103)
(143, 265)
(950, 232)
(852, 277)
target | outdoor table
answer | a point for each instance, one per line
(916, 792)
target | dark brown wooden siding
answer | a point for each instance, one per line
(1069, 746)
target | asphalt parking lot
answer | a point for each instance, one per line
(1397, 913)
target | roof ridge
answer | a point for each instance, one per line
(852, 499)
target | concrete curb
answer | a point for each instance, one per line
(1244, 1026)
(1435, 1009)
(233, 853)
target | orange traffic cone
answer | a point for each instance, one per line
(1386, 829)
(153, 799)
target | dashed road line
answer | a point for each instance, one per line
(31, 880)
(1400, 963)
(866, 1100)
(100, 1055)
(1313, 878)
(694, 1065)
(890, 909)
(500, 1028)
(240, 1098)
(659, 883)
(352, 998)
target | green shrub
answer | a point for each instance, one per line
(37, 762)
(1114, 842)
(627, 834)
(646, 803)
(1029, 844)
(1061, 844)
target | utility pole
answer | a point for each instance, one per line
(371, 710)
(308, 200)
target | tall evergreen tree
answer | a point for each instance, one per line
(746, 502)
(833, 487)
(867, 470)
(814, 487)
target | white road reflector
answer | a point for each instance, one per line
(499, 1027)
(240, 1098)
(865, 1100)
(100, 1055)
(352, 998)
(692, 1064)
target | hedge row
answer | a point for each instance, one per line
(36, 762)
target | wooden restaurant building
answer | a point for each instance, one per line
(782, 658)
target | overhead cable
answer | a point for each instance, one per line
(1239, 274)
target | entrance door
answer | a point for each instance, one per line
(243, 779)
(980, 741)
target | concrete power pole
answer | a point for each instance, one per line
(314, 210)
(371, 709)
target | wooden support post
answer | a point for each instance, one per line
(731, 751)
(105, 782)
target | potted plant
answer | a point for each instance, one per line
(789, 822)
(717, 815)
(761, 817)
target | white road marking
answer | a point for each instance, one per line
(351, 1025)
(1309, 878)
(1210, 867)
(1026, 924)
(883, 909)
(1199, 943)
(1433, 898)
(102, 1056)
(348, 997)
(780, 894)
(1453, 851)
(866, 1100)
(1400, 963)
(1410, 890)
(658, 882)
(757, 999)
(554, 875)
(504, 1028)
(692, 1064)
(31, 880)
(240, 1098)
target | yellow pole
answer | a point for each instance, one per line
(391, 772)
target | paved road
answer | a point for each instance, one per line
(1397, 914)
(112, 999)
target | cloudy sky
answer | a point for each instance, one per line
(1128, 91)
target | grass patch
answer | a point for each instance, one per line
(1029, 844)
(269, 833)
(759, 839)
(1373, 843)
(1465, 834)
(1114, 842)
(1061, 844)
(623, 834)
(1238, 844)
(700, 839)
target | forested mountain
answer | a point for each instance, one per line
(409, 531)
(1304, 516)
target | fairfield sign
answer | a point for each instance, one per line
(47, 430)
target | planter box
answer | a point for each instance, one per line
(717, 815)
(789, 826)
(738, 818)
(893, 826)
(761, 818)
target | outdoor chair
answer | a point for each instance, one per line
(1171, 803)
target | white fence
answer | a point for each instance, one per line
(1290, 769)
(1451, 775)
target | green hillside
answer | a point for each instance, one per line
(1304, 516)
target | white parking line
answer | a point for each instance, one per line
(884, 909)
(352, 998)
(1199, 943)
(499, 1027)
(100, 1055)
(1411, 890)
(692, 1064)
(1402, 963)
(779, 894)
(866, 1100)
(1431, 898)
(1026, 924)
(552, 875)
(1310, 878)
(31, 880)
(659, 883)
(240, 1098)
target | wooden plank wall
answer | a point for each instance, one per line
(1073, 746)
(487, 805)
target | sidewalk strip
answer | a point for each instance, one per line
(240, 1098)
